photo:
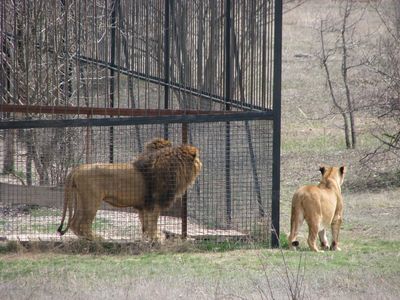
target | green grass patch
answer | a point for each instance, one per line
(101, 223)
(304, 142)
(379, 257)
(44, 228)
(2, 224)
(91, 266)
(38, 212)
(224, 246)
(283, 240)
(311, 143)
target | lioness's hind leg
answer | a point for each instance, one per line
(323, 239)
(337, 222)
(313, 227)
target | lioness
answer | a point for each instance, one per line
(149, 184)
(321, 206)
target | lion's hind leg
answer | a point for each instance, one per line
(81, 223)
(143, 221)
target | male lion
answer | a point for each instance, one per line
(321, 206)
(149, 184)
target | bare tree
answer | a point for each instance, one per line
(42, 53)
(386, 66)
(342, 51)
(289, 5)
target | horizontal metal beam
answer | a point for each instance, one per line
(94, 111)
(143, 120)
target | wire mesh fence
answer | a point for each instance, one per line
(93, 81)
(158, 54)
(34, 211)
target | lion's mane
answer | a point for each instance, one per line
(168, 173)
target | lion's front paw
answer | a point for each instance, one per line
(97, 238)
(153, 238)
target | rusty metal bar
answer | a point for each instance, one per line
(184, 210)
(97, 111)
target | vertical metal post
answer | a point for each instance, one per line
(184, 213)
(228, 96)
(276, 150)
(29, 158)
(88, 143)
(112, 74)
(166, 59)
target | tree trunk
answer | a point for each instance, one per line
(210, 74)
(29, 156)
(341, 110)
(9, 139)
(9, 152)
(344, 68)
(131, 94)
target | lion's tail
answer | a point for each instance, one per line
(68, 202)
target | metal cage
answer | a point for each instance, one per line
(88, 81)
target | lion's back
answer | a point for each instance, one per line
(118, 184)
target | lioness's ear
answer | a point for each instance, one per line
(322, 169)
(342, 170)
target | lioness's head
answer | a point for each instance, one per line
(333, 173)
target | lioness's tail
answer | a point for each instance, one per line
(68, 202)
(296, 219)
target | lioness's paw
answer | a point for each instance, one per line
(294, 245)
(316, 250)
(325, 247)
(335, 247)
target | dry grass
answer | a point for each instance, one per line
(367, 268)
(363, 270)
